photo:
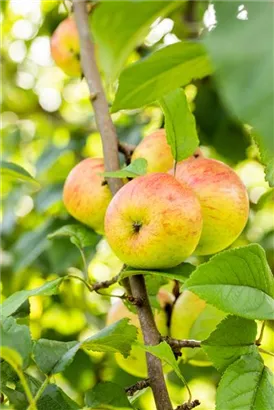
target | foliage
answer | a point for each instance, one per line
(217, 89)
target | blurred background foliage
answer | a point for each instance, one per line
(47, 127)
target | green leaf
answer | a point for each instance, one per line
(246, 384)
(54, 398)
(180, 272)
(180, 125)
(11, 356)
(247, 92)
(48, 352)
(117, 337)
(237, 281)
(16, 398)
(163, 71)
(15, 172)
(79, 235)
(16, 337)
(107, 395)
(233, 338)
(118, 27)
(137, 168)
(13, 303)
(164, 352)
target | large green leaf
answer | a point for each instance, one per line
(237, 281)
(16, 337)
(15, 172)
(117, 337)
(180, 272)
(242, 53)
(107, 395)
(233, 338)
(48, 352)
(163, 71)
(55, 398)
(118, 27)
(246, 384)
(179, 124)
(137, 168)
(13, 303)
(164, 352)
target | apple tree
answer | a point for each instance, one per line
(137, 228)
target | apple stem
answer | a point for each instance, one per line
(111, 158)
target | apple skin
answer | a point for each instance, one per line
(223, 198)
(85, 195)
(155, 149)
(65, 47)
(135, 363)
(153, 222)
(192, 318)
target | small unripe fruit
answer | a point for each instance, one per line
(155, 149)
(153, 222)
(192, 318)
(135, 363)
(223, 199)
(86, 195)
(65, 47)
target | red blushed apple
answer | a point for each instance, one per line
(155, 149)
(223, 199)
(153, 222)
(86, 195)
(65, 47)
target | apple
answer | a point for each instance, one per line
(65, 47)
(192, 318)
(135, 363)
(223, 199)
(86, 195)
(155, 149)
(153, 222)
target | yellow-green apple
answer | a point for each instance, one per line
(86, 195)
(192, 318)
(155, 149)
(223, 199)
(135, 363)
(65, 47)
(153, 222)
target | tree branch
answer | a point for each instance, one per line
(151, 337)
(142, 384)
(97, 94)
(110, 149)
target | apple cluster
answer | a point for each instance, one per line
(157, 221)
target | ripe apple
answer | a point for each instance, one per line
(135, 363)
(153, 222)
(192, 318)
(65, 47)
(155, 149)
(223, 199)
(85, 195)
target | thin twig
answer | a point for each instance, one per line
(126, 150)
(142, 384)
(189, 405)
(111, 157)
(104, 284)
(176, 343)
(265, 351)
